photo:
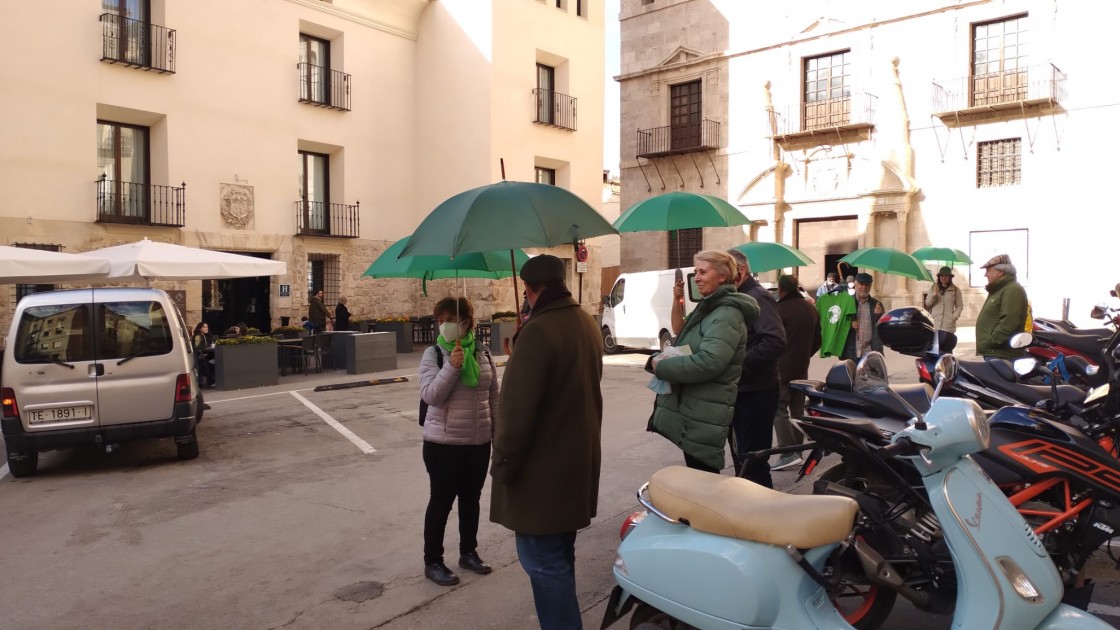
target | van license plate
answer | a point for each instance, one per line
(59, 414)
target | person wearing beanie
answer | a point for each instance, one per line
(1004, 312)
(945, 301)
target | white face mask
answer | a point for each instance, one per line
(450, 331)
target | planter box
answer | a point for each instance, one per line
(370, 352)
(246, 365)
(499, 331)
(403, 330)
(336, 360)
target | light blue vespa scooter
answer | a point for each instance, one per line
(721, 552)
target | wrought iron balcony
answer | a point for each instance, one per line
(140, 204)
(554, 108)
(137, 44)
(319, 218)
(677, 139)
(1032, 88)
(319, 85)
(847, 118)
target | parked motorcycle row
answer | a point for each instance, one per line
(979, 493)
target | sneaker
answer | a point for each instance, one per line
(787, 461)
(471, 562)
(440, 574)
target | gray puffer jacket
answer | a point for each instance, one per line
(458, 414)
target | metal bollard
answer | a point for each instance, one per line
(1065, 308)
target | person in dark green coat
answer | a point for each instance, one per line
(1004, 312)
(696, 414)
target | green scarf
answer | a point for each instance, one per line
(469, 372)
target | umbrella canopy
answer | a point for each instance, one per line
(390, 264)
(944, 255)
(888, 260)
(505, 216)
(764, 256)
(679, 211)
(21, 265)
(163, 261)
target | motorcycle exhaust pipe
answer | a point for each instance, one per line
(882, 572)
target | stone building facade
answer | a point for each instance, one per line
(316, 132)
(977, 125)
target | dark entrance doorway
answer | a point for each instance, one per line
(241, 300)
(830, 262)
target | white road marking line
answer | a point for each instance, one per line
(347, 433)
(3, 471)
(290, 391)
(1102, 609)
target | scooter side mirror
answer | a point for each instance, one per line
(1099, 311)
(1024, 366)
(1021, 340)
(945, 369)
(1092, 370)
(871, 374)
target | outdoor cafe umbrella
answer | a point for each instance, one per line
(944, 255)
(766, 256)
(23, 265)
(151, 260)
(390, 264)
(888, 260)
(678, 211)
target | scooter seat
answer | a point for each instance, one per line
(737, 508)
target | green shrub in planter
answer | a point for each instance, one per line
(247, 339)
(289, 332)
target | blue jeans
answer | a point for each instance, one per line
(550, 562)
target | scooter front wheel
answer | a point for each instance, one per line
(647, 617)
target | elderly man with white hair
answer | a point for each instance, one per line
(1004, 312)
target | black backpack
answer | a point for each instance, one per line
(439, 365)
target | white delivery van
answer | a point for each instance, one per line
(636, 313)
(96, 366)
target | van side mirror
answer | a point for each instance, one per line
(1021, 340)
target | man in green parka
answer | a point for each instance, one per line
(1004, 312)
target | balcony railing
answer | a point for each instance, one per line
(675, 139)
(140, 204)
(319, 85)
(856, 109)
(554, 108)
(319, 218)
(137, 44)
(1000, 90)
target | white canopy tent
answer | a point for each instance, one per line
(151, 260)
(21, 265)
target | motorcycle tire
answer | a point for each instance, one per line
(646, 617)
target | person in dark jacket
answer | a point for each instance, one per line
(341, 315)
(757, 400)
(317, 312)
(1005, 311)
(547, 439)
(802, 324)
(864, 336)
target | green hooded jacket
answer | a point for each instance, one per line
(696, 414)
(1004, 313)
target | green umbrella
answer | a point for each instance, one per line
(679, 211)
(390, 264)
(888, 260)
(505, 216)
(944, 255)
(764, 256)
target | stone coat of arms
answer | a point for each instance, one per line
(236, 203)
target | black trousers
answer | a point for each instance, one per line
(753, 423)
(454, 472)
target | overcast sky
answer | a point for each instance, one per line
(611, 113)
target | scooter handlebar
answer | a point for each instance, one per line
(904, 446)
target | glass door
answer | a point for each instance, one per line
(122, 159)
(315, 64)
(314, 181)
(546, 93)
(130, 28)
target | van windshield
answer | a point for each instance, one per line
(132, 329)
(49, 334)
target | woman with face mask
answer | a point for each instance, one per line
(460, 386)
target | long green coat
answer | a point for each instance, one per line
(547, 447)
(1004, 313)
(696, 414)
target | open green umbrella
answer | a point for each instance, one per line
(888, 260)
(765, 256)
(505, 216)
(679, 211)
(944, 255)
(390, 264)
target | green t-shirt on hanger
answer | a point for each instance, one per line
(836, 309)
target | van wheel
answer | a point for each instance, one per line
(186, 446)
(609, 346)
(23, 464)
(666, 340)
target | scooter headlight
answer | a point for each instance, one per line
(979, 423)
(1022, 584)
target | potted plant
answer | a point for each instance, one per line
(290, 332)
(249, 361)
(503, 325)
(399, 324)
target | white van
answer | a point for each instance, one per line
(96, 366)
(636, 313)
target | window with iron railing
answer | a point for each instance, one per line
(827, 93)
(128, 37)
(318, 83)
(999, 163)
(684, 245)
(999, 61)
(324, 273)
(23, 290)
